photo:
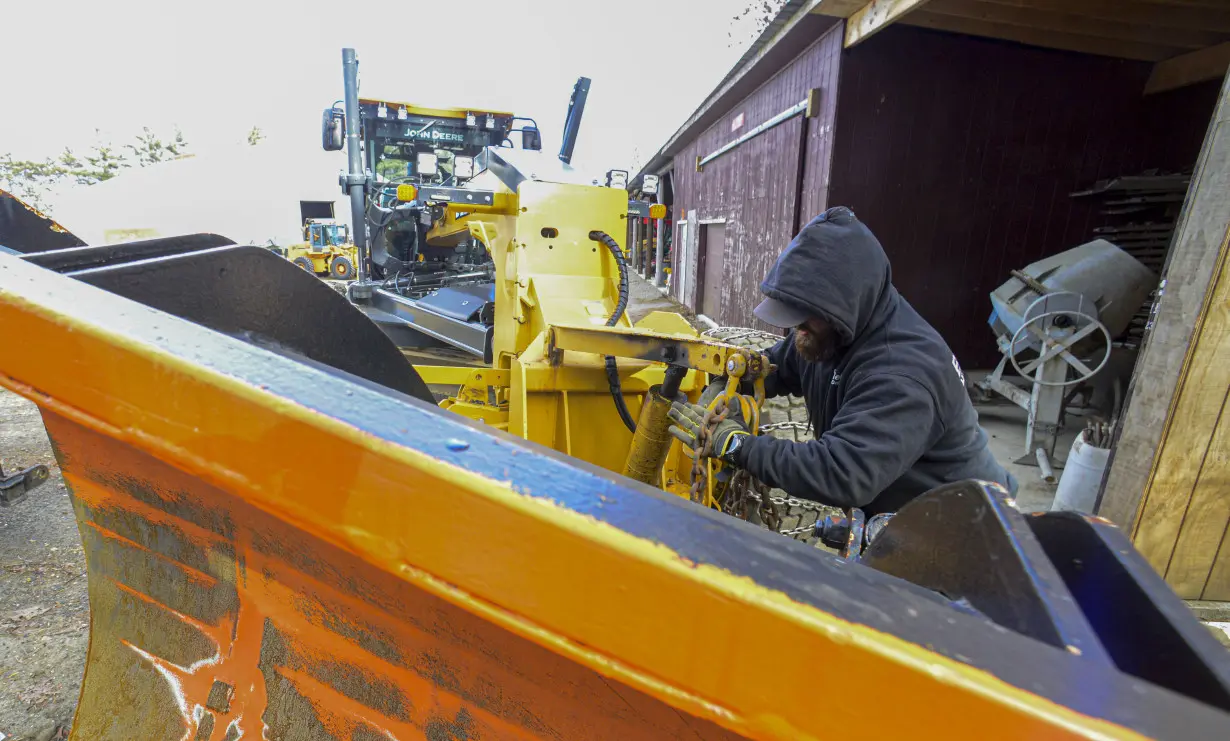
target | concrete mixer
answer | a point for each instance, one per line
(1056, 324)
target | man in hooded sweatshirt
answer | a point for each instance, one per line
(885, 394)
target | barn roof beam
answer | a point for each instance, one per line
(876, 16)
(1188, 69)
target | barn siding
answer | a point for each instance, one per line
(960, 153)
(755, 188)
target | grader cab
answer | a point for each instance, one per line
(531, 557)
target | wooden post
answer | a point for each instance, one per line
(1168, 482)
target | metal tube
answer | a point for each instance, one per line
(672, 379)
(786, 115)
(659, 275)
(652, 440)
(1044, 466)
(355, 184)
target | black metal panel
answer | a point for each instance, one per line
(492, 159)
(1146, 629)
(251, 293)
(81, 258)
(572, 123)
(463, 303)
(25, 230)
(965, 541)
(417, 323)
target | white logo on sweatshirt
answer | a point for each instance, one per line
(957, 367)
(836, 379)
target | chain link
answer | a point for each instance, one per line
(743, 491)
(785, 426)
(700, 470)
(741, 333)
(803, 530)
(806, 504)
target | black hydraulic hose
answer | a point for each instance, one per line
(622, 304)
(617, 393)
(612, 371)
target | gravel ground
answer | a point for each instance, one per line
(44, 611)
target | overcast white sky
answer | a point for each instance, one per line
(217, 68)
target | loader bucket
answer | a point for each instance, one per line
(279, 551)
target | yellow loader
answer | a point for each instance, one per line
(326, 249)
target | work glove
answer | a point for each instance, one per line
(718, 386)
(715, 389)
(726, 438)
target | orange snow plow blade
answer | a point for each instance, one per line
(276, 550)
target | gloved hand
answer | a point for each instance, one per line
(713, 391)
(690, 419)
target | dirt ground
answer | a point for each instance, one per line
(44, 611)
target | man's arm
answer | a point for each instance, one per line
(885, 425)
(785, 380)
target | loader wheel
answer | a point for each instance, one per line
(306, 264)
(341, 268)
(782, 409)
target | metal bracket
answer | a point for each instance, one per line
(1108, 580)
(686, 352)
(460, 196)
(15, 487)
(470, 201)
(844, 532)
(965, 541)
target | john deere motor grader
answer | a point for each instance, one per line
(423, 294)
(485, 571)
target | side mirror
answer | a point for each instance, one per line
(531, 138)
(332, 129)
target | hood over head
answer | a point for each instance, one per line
(834, 269)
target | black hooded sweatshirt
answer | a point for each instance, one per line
(890, 411)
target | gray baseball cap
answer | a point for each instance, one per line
(779, 314)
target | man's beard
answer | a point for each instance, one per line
(816, 348)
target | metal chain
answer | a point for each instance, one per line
(742, 487)
(700, 473)
(740, 333)
(803, 530)
(785, 426)
(744, 490)
(791, 502)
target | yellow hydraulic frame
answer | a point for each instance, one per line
(555, 290)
